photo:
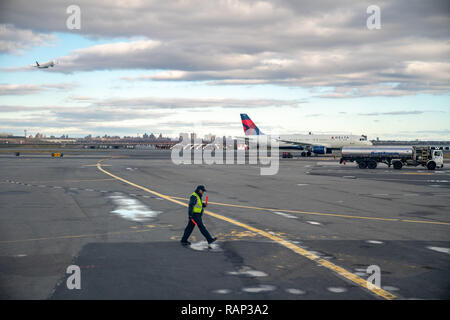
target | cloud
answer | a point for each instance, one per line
(289, 43)
(128, 113)
(81, 98)
(28, 89)
(14, 40)
(313, 115)
(392, 113)
(187, 103)
(195, 124)
(58, 119)
(18, 89)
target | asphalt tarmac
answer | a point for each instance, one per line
(309, 232)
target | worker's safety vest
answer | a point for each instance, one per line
(198, 207)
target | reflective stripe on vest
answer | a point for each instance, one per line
(198, 207)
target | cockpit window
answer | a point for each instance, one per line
(438, 153)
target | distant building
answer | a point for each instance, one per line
(182, 134)
(209, 137)
(5, 134)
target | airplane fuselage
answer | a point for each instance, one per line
(44, 65)
(331, 141)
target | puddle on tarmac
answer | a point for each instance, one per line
(204, 246)
(247, 271)
(260, 288)
(132, 209)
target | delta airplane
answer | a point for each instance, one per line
(311, 143)
(44, 65)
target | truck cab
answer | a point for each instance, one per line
(438, 158)
(429, 157)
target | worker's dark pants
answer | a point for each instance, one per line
(190, 227)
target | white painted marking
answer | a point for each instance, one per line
(374, 242)
(284, 215)
(440, 249)
(295, 291)
(336, 289)
(247, 271)
(302, 184)
(390, 288)
(331, 164)
(313, 222)
(20, 255)
(222, 291)
(132, 209)
(260, 288)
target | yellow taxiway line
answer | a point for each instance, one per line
(82, 180)
(323, 214)
(305, 253)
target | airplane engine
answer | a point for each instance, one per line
(319, 149)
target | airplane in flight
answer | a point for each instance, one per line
(44, 65)
(311, 143)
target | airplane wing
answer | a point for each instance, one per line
(300, 143)
(295, 142)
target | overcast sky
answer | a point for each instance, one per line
(178, 66)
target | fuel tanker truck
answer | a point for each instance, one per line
(396, 156)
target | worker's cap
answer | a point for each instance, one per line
(201, 188)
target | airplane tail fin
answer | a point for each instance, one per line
(250, 127)
(37, 64)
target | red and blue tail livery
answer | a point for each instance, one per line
(250, 128)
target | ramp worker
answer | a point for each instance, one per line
(195, 216)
